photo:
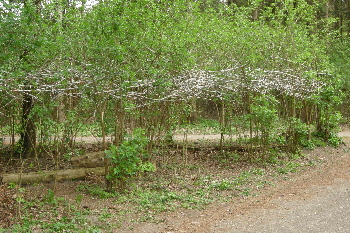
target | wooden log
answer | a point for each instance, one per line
(47, 176)
(90, 160)
(244, 148)
(238, 148)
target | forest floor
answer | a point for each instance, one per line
(193, 193)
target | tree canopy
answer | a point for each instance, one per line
(121, 64)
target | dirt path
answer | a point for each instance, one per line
(318, 201)
(178, 137)
(328, 210)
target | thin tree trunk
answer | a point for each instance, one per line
(222, 122)
(28, 134)
(12, 134)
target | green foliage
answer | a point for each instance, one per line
(289, 167)
(114, 67)
(128, 158)
(202, 126)
(299, 129)
(222, 185)
(95, 191)
(264, 115)
(79, 198)
(339, 54)
(335, 140)
(11, 185)
(313, 143)
(165, 200)
(117, 64)
(50, 197)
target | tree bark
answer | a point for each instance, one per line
(28, 134)
(90, 160)
(60, 175)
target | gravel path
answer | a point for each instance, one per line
(177, 137)
(316, 201)
(327, 211)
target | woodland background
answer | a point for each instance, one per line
(271, 72)
(267, 78)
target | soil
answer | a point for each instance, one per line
(332, 164)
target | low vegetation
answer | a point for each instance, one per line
(180, 183)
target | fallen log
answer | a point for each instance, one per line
(47, 176)
(238, 148)
(90, 160)
(246, 148)
(96, 159)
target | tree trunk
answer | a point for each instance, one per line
(194, 112)
(28, 134)
(59, 175)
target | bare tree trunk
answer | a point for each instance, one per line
(194, 112)
(222, 123)
(12, 134)
(255, 14)
(28, 134)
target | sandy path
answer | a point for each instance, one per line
(328, 210)
(177, 137)
(315, 201)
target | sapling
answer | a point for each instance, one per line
(127, 160)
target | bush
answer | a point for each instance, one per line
(128, 159)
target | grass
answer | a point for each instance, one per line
(95, 190)
(289, 167)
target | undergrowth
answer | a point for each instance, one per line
(179, 184)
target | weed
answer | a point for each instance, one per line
(246, 191)
(312, 143)
(11, 185)
(147, 218)
(192, 166)
(257, 171)
(262, 184)
(312, 163)
(290, 167)
(297, 155)
(50, 220)
(335, 141)
(104, 215)
(50, 197)
(222, 185)
(227, 158)
(273, 156)
(79, 198)
(202, 126)
(95, 190)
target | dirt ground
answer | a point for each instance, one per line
(293, 186)
(316, 200)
